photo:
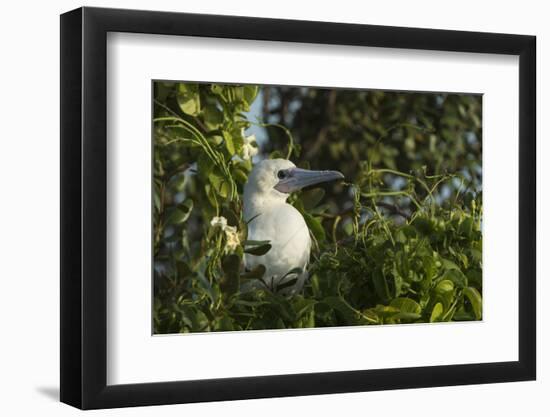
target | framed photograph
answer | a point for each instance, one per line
(257, 208)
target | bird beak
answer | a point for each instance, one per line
(298, 178)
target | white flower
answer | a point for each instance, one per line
(220, 222)
(231, 238)
(231, 235)
(248, 149)
(249, 139)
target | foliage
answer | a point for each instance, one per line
(393, 130)
(404, 246)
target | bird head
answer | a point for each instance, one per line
(280, 177)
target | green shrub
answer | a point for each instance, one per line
(390, 246)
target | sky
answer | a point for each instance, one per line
(255, 114)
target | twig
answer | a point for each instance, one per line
(394, 209)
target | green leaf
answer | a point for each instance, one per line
(256, 242)
(200, 321)
(386, 311)
(276, 155)
(249, 93)
(204, 166)
(187, 206)
(181, 213)
(457, 277)
(213, 116)
(256, 273)
(193, 318)
(280, 306)
(186, 313)
(444, 286)
(250, 303)
(315, 226)
(204, 284)
(232, 217)
(217, 89)
(339, 304)
(156, 199)
(437, 311)
(224, 324)
(475, 300)
(407, 316)
(409, 231)
(211, 195)
(380, 285)
(236, 92)
(258, 250)
(303, 306)
(231, 265)
(424, 226)
(310, 198)
(449, 264)
(240, 176)
(371, 316)
(189, 99)
(297, 271)
(219, 184)
(408, 308)
(466, 226)
(286, 284)
(177, 182)
(406, 305)
(229, 143)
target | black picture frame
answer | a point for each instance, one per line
(84, 207)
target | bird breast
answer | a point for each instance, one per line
(288, 234)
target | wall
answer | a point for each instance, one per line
(29, 224)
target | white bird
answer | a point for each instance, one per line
(271, 218)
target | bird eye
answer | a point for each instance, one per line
(281, 174)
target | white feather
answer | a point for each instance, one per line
(271, 218)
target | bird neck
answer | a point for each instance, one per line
(256, 203)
